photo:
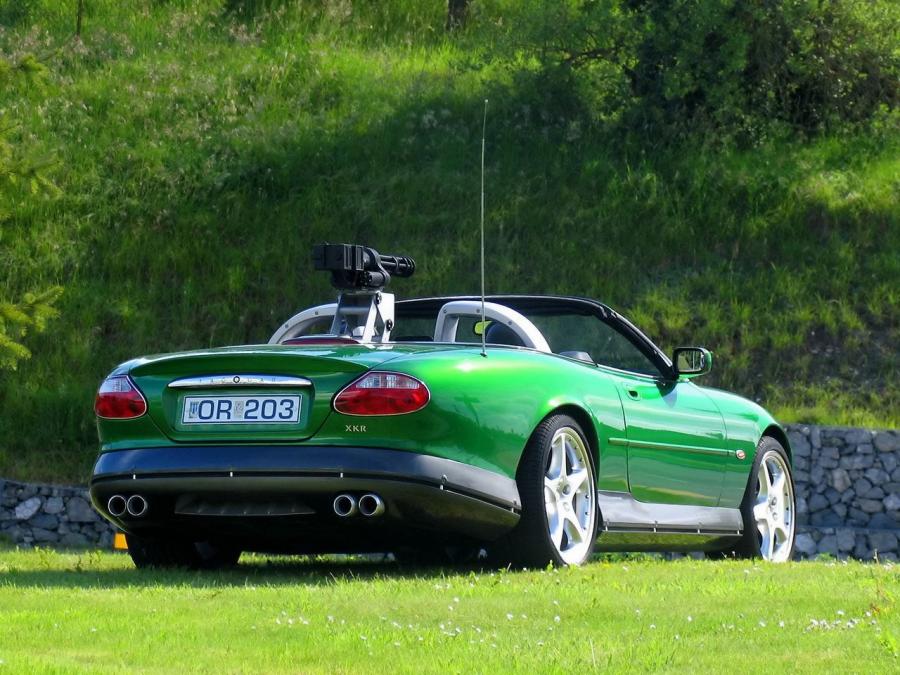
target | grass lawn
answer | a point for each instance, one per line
(93, 611)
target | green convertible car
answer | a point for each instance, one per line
(535, 429)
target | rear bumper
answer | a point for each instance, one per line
(280, 497)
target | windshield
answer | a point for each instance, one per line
(566, 331)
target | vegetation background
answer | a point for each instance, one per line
(724, 172)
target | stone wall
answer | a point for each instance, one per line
(848, 491)
(848, 499)
(50, 515)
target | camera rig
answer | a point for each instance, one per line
(360, 268)
(364, 311)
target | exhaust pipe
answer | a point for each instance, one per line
(345, 506)
(116, 506)
(371, 505)
(136, 506)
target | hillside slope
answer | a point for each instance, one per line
(202, 151)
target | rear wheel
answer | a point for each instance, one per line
(768, 508)
(150, 552)
(558, 525)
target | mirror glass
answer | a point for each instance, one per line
(692, 360)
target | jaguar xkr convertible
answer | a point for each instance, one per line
(536, 429)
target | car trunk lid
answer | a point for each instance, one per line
(283, 393)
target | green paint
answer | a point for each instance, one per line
(667, 441)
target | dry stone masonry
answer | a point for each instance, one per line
(848, 491)
(50, 515)
(848, 499)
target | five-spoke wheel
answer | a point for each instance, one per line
(768, 508)
(773, 509)
(569, 495)
(558, 524)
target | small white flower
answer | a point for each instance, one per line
(840, 612)
(690, 618)
(363, 637)
(781, 624)
(762, 624)
(557, 619)
(509, 617)
(652, 626)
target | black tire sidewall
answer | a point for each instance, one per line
(748, 547)
(531, 540)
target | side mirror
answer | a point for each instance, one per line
(692, 361)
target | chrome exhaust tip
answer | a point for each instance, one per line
(345, 506)
(116, 506)
(136, 506)
(371, 505)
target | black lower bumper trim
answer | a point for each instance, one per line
(422, 493)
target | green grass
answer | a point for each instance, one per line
(203, 151)
(68, 612)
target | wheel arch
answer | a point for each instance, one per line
(584, 420)
(776, 432)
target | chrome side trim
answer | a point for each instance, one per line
(669, 446)
(620, 511)
(216, 381)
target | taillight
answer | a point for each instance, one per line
(119, 399)
(381, 393)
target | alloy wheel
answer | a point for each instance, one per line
(773, 509)
(569, 498)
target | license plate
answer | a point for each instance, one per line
(241, 410)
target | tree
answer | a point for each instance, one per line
(457, 12)
(21, 178)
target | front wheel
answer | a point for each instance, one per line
(558, 525)
(768, 508)
(152, 552)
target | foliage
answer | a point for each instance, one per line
(620, 615)
(735, 65)
(202, 152)
(21, 174)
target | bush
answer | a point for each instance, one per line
(734, 64)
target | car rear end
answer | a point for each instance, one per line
(288, 448)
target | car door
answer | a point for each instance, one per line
(674, 433)
(676, 439)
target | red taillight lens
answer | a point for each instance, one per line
(119, 399)
(380, 393)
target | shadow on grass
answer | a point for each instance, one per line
(91, 570)
(87, 571)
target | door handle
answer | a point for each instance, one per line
(633, 394)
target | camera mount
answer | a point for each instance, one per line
(364, 312)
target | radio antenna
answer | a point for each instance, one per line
(483, 317)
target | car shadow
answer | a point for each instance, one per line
(86, 572)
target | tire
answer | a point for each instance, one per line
(558, 525)
(769, 505)
(151, 552)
